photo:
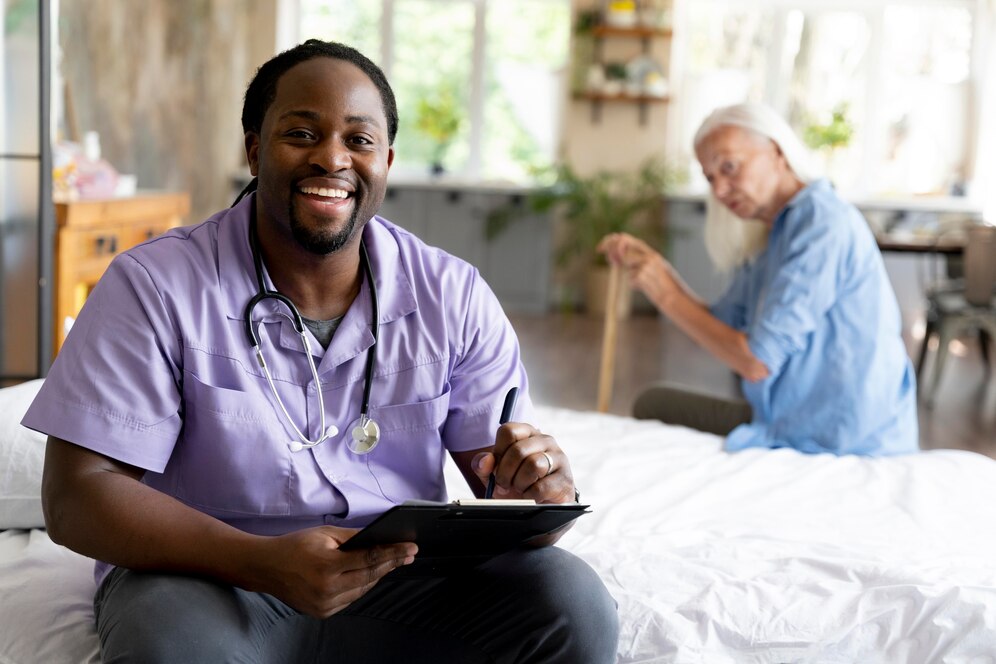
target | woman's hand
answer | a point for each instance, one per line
(649, 272)
(646, 269)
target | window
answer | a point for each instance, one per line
(896, 72)
(478, 82)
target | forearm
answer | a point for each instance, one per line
(728, 345)
(113, 517)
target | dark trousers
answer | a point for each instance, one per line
(677, 405)
(533, 605)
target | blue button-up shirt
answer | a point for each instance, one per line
(157, 372)
(820, 313)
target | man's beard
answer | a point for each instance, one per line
(320, 243)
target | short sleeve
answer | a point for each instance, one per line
(114, 387)
(802, 288)
(486, 366)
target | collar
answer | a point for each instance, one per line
(237, 276)
(814, 188)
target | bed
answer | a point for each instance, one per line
(759, 556)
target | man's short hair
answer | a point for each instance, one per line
(262, 88)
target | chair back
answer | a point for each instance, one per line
(980, 265)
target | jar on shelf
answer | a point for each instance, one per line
(621, 13)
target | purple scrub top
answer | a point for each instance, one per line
(157, 372)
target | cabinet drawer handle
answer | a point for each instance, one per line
(105, 244)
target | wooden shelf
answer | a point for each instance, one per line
(636, 99)
(644, 34)
(596, 99)
(603, 31)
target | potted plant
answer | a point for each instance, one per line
(438, 118)
(590, 207)
(830, 137)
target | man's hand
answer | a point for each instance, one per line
(98, 507)
(306, 569)
(526, 464)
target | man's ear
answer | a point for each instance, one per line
(390, 157)
(252, 152)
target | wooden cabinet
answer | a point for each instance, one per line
(90, 233)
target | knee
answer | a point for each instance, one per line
(576, 590)
(653, 404)
(569, 603)
(153, 618)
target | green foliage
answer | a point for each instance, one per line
(832, 135)
(587, 21)
(17, 13)
(615, 71)
(438, 116)
(593, 206)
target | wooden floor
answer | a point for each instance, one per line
(561, 353)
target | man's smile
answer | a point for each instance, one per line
(325, 197)
(325, 192)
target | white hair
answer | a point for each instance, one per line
(730, 240)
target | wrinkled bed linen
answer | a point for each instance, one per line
(761, 556)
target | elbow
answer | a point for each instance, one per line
(755, 371)
(54, 511)
(749, 366)
(58, 494)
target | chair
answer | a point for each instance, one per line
(963, 305)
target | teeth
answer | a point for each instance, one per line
(325, 192)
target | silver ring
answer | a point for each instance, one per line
(549, 463)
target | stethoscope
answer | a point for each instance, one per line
(365, 433)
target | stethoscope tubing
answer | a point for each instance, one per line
(264, 293)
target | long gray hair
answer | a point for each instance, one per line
(730, 240)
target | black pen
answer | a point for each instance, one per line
(506, 415)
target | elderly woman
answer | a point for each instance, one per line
(810, 321)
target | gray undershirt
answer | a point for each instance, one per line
(323, 329)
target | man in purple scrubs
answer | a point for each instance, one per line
(216, 491)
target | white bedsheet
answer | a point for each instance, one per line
(46, 602)
(759, 556)
(777, 556)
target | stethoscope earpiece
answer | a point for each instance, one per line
(297, 445)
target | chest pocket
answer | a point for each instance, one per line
(232, 457)
(408, 461)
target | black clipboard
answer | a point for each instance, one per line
(457, 536)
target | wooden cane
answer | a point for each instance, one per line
(606, 371)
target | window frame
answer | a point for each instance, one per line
(289, 34)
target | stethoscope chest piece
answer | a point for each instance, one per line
(364, 435)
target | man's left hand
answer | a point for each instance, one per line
(527, 464)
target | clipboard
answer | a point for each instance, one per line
(457, 536)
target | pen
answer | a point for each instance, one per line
(506, 415)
